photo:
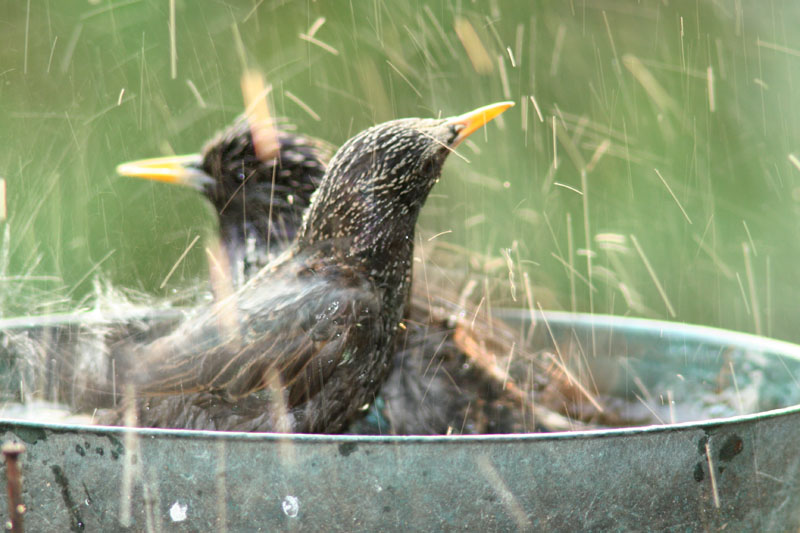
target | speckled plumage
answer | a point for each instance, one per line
(260, 200)
(308, 340)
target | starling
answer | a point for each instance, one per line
(309, 339)
(260, 198)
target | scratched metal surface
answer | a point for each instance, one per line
(651, 478)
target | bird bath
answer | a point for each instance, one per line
(736, 467)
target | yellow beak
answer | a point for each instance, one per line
(474, 120)
(177, 169)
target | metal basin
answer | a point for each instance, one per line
(737, 472)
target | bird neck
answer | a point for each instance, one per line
(365, 227)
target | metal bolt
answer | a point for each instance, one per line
(16, 509)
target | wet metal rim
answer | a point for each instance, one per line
(283, 438)
(739, 473)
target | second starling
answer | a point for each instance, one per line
(259, 198)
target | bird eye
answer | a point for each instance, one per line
(455, 129)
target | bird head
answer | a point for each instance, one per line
(240, 184)
(377, 182)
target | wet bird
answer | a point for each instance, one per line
(308, 340)
(259, 195)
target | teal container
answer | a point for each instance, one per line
(736, 468)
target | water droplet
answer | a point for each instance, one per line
(290, 506)
(178, 511)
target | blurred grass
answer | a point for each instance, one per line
(623, 89)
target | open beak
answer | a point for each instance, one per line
(179, 170)
(472, 121)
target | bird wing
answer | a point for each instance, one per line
(290, 332)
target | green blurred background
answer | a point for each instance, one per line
(702, 91)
